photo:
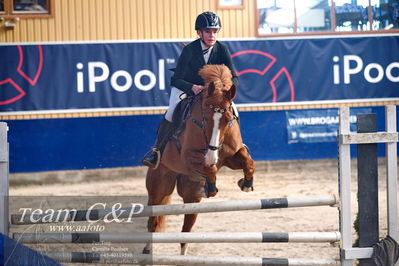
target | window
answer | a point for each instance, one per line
(385, 15)
(30, 6)
(313, 15)
(326, 16)
(352, 15)
(26, 8)
(276, 16)
(230, 4)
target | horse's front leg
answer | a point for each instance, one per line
(203, 173)
(210, 181)
(242, 160)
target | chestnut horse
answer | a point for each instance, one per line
(210, 139)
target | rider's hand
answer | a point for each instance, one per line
(197, 89)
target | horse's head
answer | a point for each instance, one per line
(219, 93)
(219, 89)
(217, 100)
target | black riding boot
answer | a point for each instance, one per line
(164, 132)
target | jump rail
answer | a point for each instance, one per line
(175, 209)
(216, 237)
(127, 258)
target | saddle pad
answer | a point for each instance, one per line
(181, 113)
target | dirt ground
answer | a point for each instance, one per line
(272, 179)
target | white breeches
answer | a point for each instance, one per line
(174, 99)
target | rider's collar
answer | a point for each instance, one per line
(204, 47)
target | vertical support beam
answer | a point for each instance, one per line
(392, 174)
(367, 175)
(345, 221)
(3, 179)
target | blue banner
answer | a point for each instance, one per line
(315, 126)
(137, 74)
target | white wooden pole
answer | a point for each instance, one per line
(345, 184)
(3, 179)
(155, 259)
(175, 209)
(392, 174)
(185, 237)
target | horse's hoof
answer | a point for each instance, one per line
(247, 189)
(212, 194)
(184, 249)
(147, 248)
(210, 189)
(245, 185)
(146, 251)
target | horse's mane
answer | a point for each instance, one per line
(218, 74)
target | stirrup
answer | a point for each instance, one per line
(248, 151)
(149, 159)
(246, 147)
(158, 152)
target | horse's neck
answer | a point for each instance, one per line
(196, 108)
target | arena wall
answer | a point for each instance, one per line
(77, 20)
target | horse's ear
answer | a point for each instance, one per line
(230, 94)
(211, 88)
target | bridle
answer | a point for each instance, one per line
(202, 123)
(218, 109)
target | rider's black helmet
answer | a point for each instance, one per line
(207, 20)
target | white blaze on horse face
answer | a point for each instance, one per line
(211, 156)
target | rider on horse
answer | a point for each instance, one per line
(205, 50)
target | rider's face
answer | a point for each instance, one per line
(208, 36)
